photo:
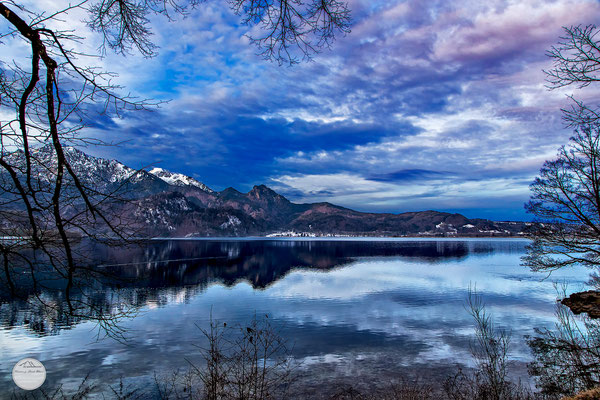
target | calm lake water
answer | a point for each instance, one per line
(370, 307)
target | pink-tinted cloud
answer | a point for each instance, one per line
(515, 29)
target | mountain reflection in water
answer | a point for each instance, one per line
(262, 262)
(375, 305)
(138, 275)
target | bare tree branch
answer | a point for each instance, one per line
(45, 205)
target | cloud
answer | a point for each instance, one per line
(503, 31)
(406, 175)
(440, 192)
(440, 102)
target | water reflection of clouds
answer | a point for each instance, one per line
(399, 298)
(392, 311)
(17, 341)
(367, 277)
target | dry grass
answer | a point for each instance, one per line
(593, 394)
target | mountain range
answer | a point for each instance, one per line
(166, 204)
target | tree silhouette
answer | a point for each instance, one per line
(565, 196)
(45, 206)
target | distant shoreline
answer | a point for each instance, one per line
(339, 238)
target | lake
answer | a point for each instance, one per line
(369, 308)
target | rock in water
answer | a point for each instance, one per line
(584, 302)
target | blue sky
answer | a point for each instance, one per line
(424, 105)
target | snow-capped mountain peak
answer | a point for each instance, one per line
(176, 179)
